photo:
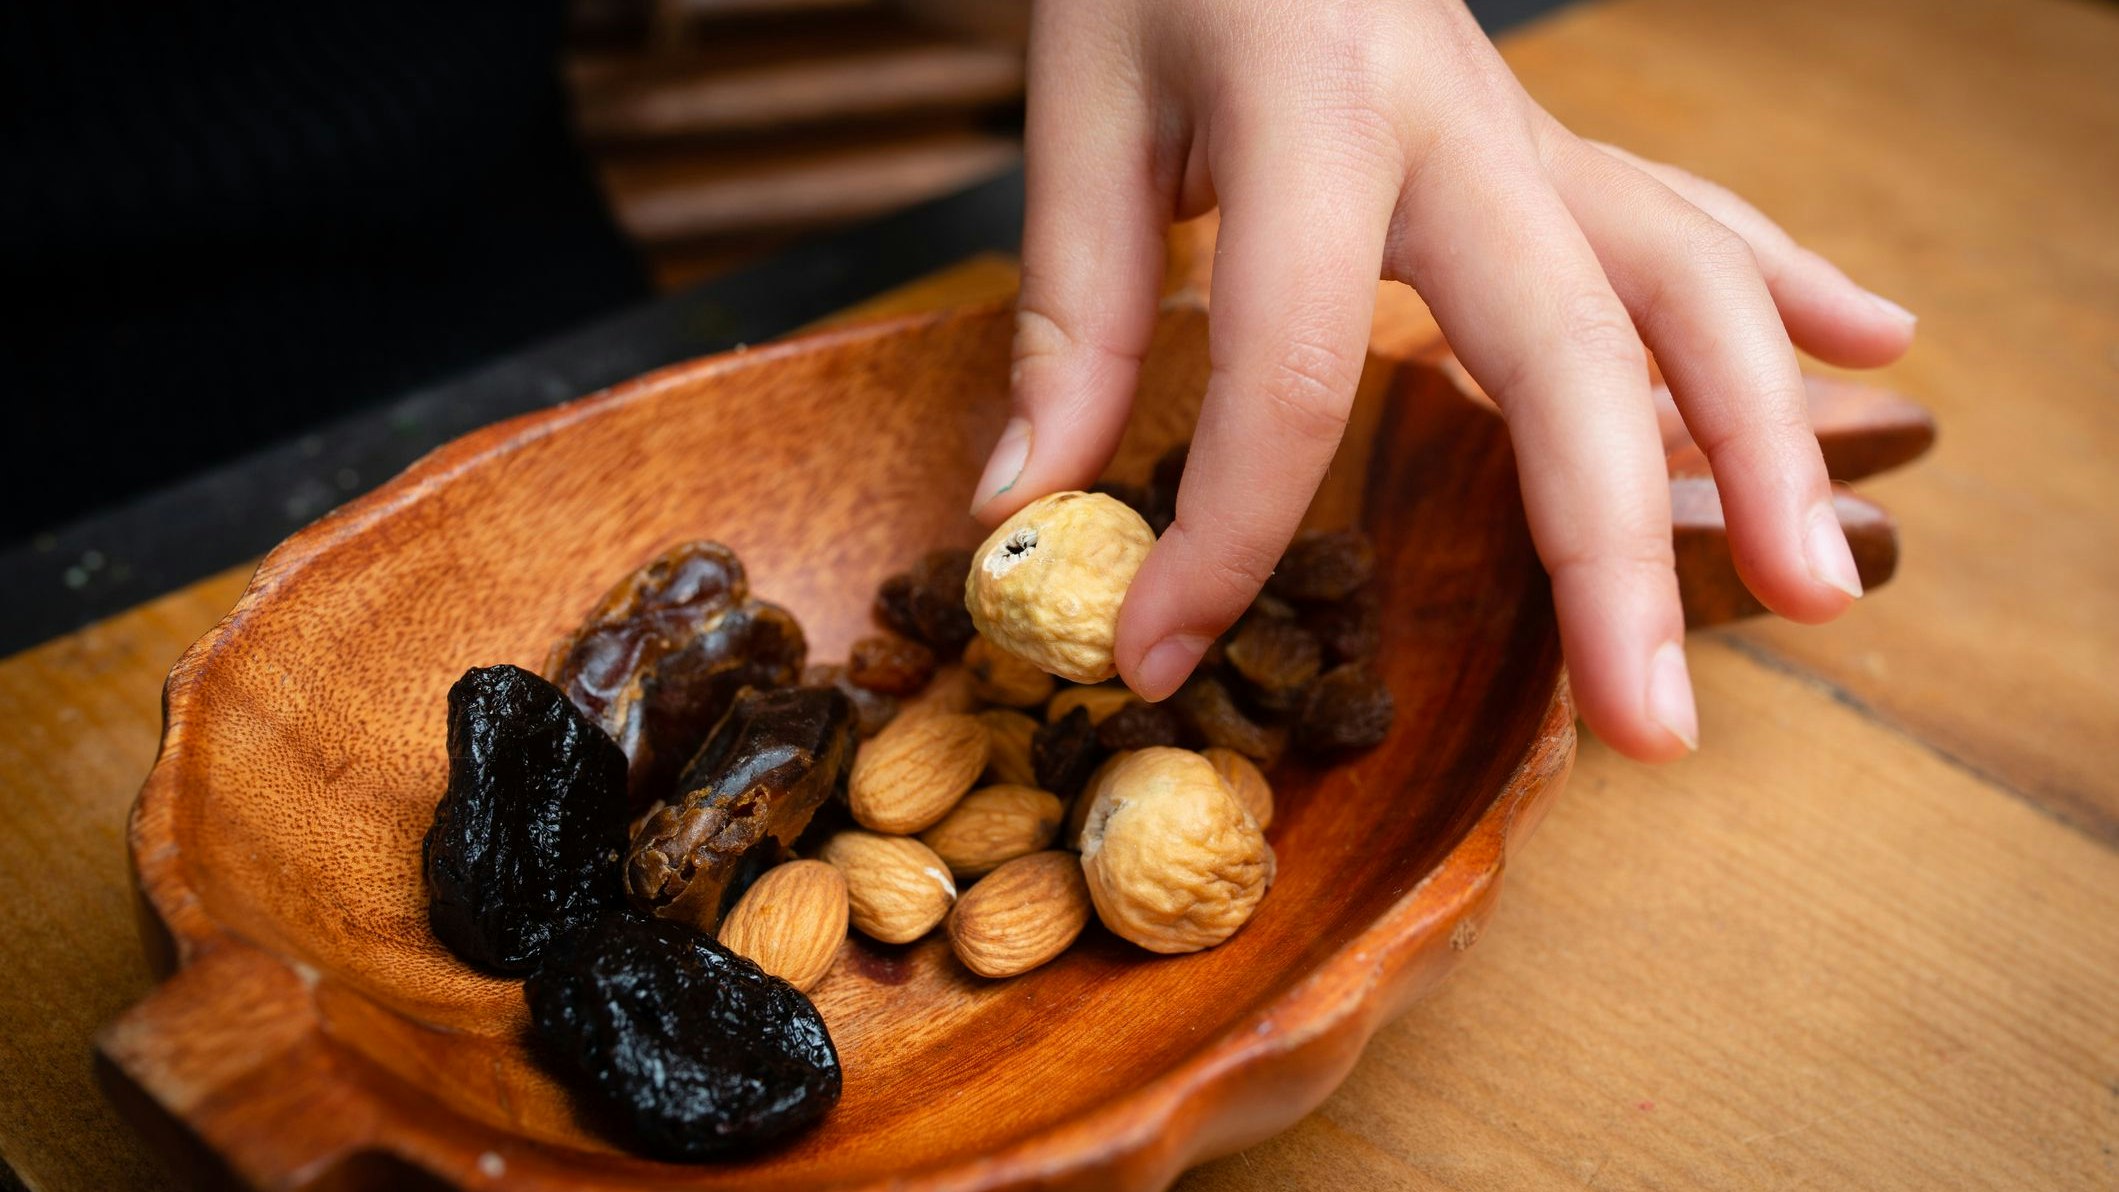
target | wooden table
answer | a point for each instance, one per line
(1869, 938)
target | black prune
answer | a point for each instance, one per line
(685, 1048)
(774, 759)
(1324, 565)
(891, 665)
(1065, 752)
(872, 709)
(1349, 708)
(665, 651)
(1275, 660)
(1137, 725)
(926, 603)
(527, 840)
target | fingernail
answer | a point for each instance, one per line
(1167, 663)
(1894, 309)
(1670, 694)
(1831, 562)
(1005, 465)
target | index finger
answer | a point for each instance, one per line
(1294, 289)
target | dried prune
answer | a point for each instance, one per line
(1210, 714)
(685, 1048)
(1349, 708)
(1275, 660)
(891, 665)
(526, 842)
(664, 652)
(1065, 752)
(1324, 565)
(1350, 630)
(872, 709)
(1137, 726)
(774, 759)
(926, 603)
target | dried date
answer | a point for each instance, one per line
(685, 1048)
(664, 653)
(1349, 708)
(774, 759)
(1065, 752)
(526, 841)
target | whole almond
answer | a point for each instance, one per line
(1009, 732)
(992, 825)
(1021, 915)
(1101, 700)
(999, 677)
(1077, 815)
(896, 888)
(911, 774)
(790, 922)
(1246, 781)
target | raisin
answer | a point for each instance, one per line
(526, 840)
(1162, 487)
(872, 709)
(1275, 662)
(926, 603)
(1349, 708)
(891, 665)
(1132, 496)
(1210, 714)
(774, 759)
(1324, 565)
(1269, 605)
(1065, 752)
(1137, 726)
(665, 651)
(686, 1049)
(1350, 630)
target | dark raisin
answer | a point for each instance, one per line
(774, 759)
(893, 608)
(926, 603)
(891, 665)
(1350, 630)
(684, 1048)
(527, 840)
(1324, 565)
(1211, 716)
(1132, 496)
(1275, 661)
(1349, 708)
(1162, 487)
(663, 653)
(1138, 725)
(872, 709)
(1065, 752)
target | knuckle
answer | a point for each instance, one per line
(1594, 326)
(1309, 389)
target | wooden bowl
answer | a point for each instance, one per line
(314, 1033)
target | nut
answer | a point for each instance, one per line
(1047, 584)
(896, 888)
(1101, 701)
(1245, 780)
(1174, 862)
(1021, 915)
(791, 922)
(999, 677)
(992, 825)
(914, 771)
(1078, 814)
(1008, 760)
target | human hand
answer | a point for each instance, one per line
(1367, 138)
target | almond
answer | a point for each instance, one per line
(999, 677)
(1009, 733)
(1246, 781)
(912, 773)
(1101, 700)
(790, 922)
(1078, 814)
(992, 825)
(896, 888)
(1021, 915)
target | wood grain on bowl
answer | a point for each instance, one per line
(314, 1031)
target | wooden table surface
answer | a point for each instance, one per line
(1868, 938)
